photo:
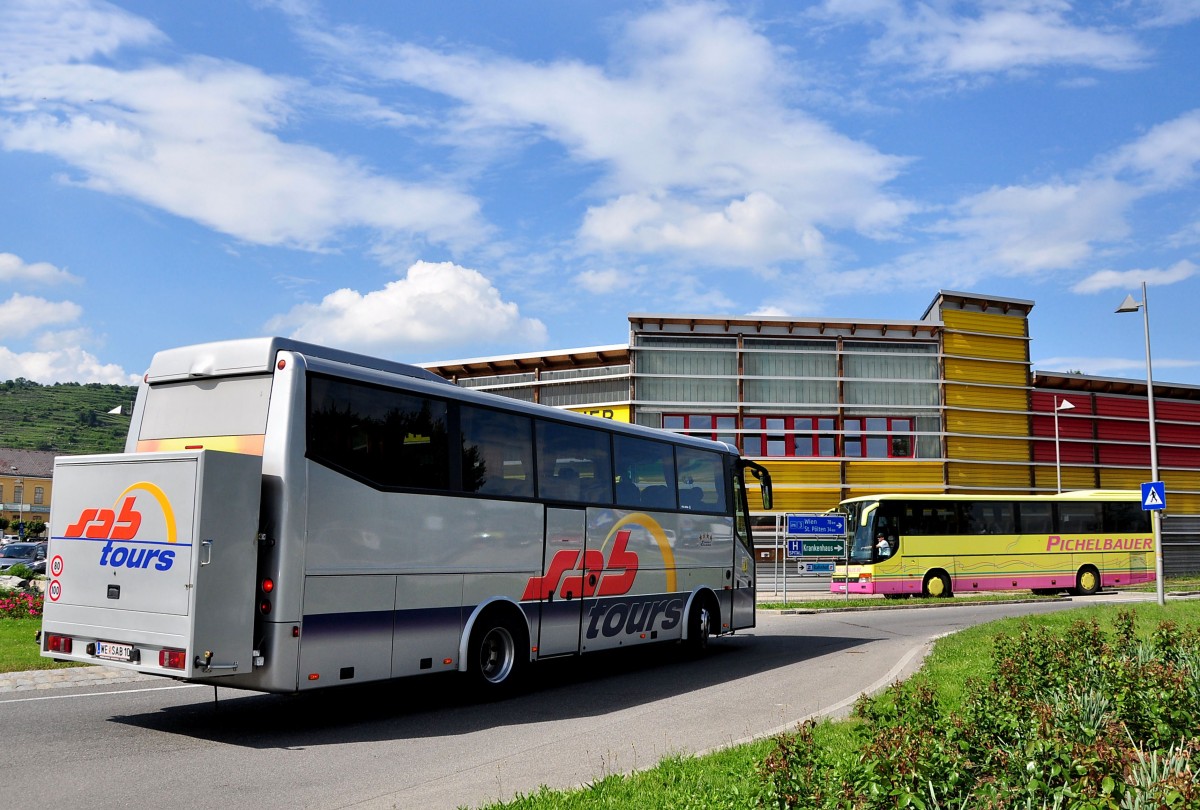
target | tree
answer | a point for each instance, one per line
(3, 524)
(35, 528)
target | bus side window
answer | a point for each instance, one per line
(1075, 517)
(647, 472)
(701, 480)
(387, 437)
(497, 450)
(1035, 518)
(1126, 518)
(584, 452)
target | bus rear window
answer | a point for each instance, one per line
(225, 406)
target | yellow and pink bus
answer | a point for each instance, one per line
(939, 545)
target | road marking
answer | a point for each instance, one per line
(100, 694)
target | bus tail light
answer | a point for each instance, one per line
(264, 607)
(267, 585)
(58, 644)
(172, 659)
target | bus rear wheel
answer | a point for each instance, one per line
(937, 585)
(1087, 582)
(494, 654)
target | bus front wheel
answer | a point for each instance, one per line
(699, 625)
(495, 653)
(937, 584)
(1087, 582)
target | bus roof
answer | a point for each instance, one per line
(1070, 495)
(257, 356)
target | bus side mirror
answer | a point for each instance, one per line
(764, 482)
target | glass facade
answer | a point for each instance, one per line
(799, 398)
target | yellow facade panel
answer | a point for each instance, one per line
(1184, 504)
(805, 500)
(994, 348)
(1002, 424)
(1123, 477)
(987, 449)
(981, 371)
(984, 322)
(976, 396)
(988, 475)
(804, 472)
(1180, 480)
(1072, 478)
(890, 475)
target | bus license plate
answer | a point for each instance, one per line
(114, 652)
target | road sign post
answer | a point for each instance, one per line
(815, 535)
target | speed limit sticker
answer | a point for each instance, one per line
(56, 565)
(55, 590)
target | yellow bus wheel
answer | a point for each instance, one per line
(1087, 582)
(937, 584)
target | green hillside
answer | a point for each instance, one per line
(69, 418)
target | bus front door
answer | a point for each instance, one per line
(562, 593)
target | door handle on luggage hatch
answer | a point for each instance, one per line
(206, 549)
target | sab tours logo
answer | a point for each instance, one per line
(121, 523)
(592, 575)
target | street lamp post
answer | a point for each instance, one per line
(1129, 305)
(1059, 405)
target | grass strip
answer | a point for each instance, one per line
(729, 779)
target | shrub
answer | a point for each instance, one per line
(1076, 720)
(21, 571)
(20, 604)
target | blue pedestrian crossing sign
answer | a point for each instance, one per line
(1154, 495)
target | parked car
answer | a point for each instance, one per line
(30, 554)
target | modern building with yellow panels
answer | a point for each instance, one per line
(945, 403)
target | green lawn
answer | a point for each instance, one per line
(729, 778)
(18, 651)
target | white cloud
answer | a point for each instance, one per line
(1169, 12)
(1030, 229)
(67, 364)
(25, 314)
(756, 230)
(1132, 279)
(51, 32)
(438, 305)
(1002, 36)
(15, 270)
(199, 140)
(1059, 225)
(602, 282)
(1163, 158)
(701, 150)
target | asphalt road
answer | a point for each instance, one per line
(422, 743)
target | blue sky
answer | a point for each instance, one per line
(430, 181)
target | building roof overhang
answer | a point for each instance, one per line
(554, 360)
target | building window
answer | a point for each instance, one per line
(790, 436)
(39, 493)
(703, 425)
(879, 437)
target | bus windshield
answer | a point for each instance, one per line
(860, 516)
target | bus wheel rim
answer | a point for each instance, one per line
(936, 586)
(1088, 580)
(496, 655)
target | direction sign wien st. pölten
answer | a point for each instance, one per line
(816, 525)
